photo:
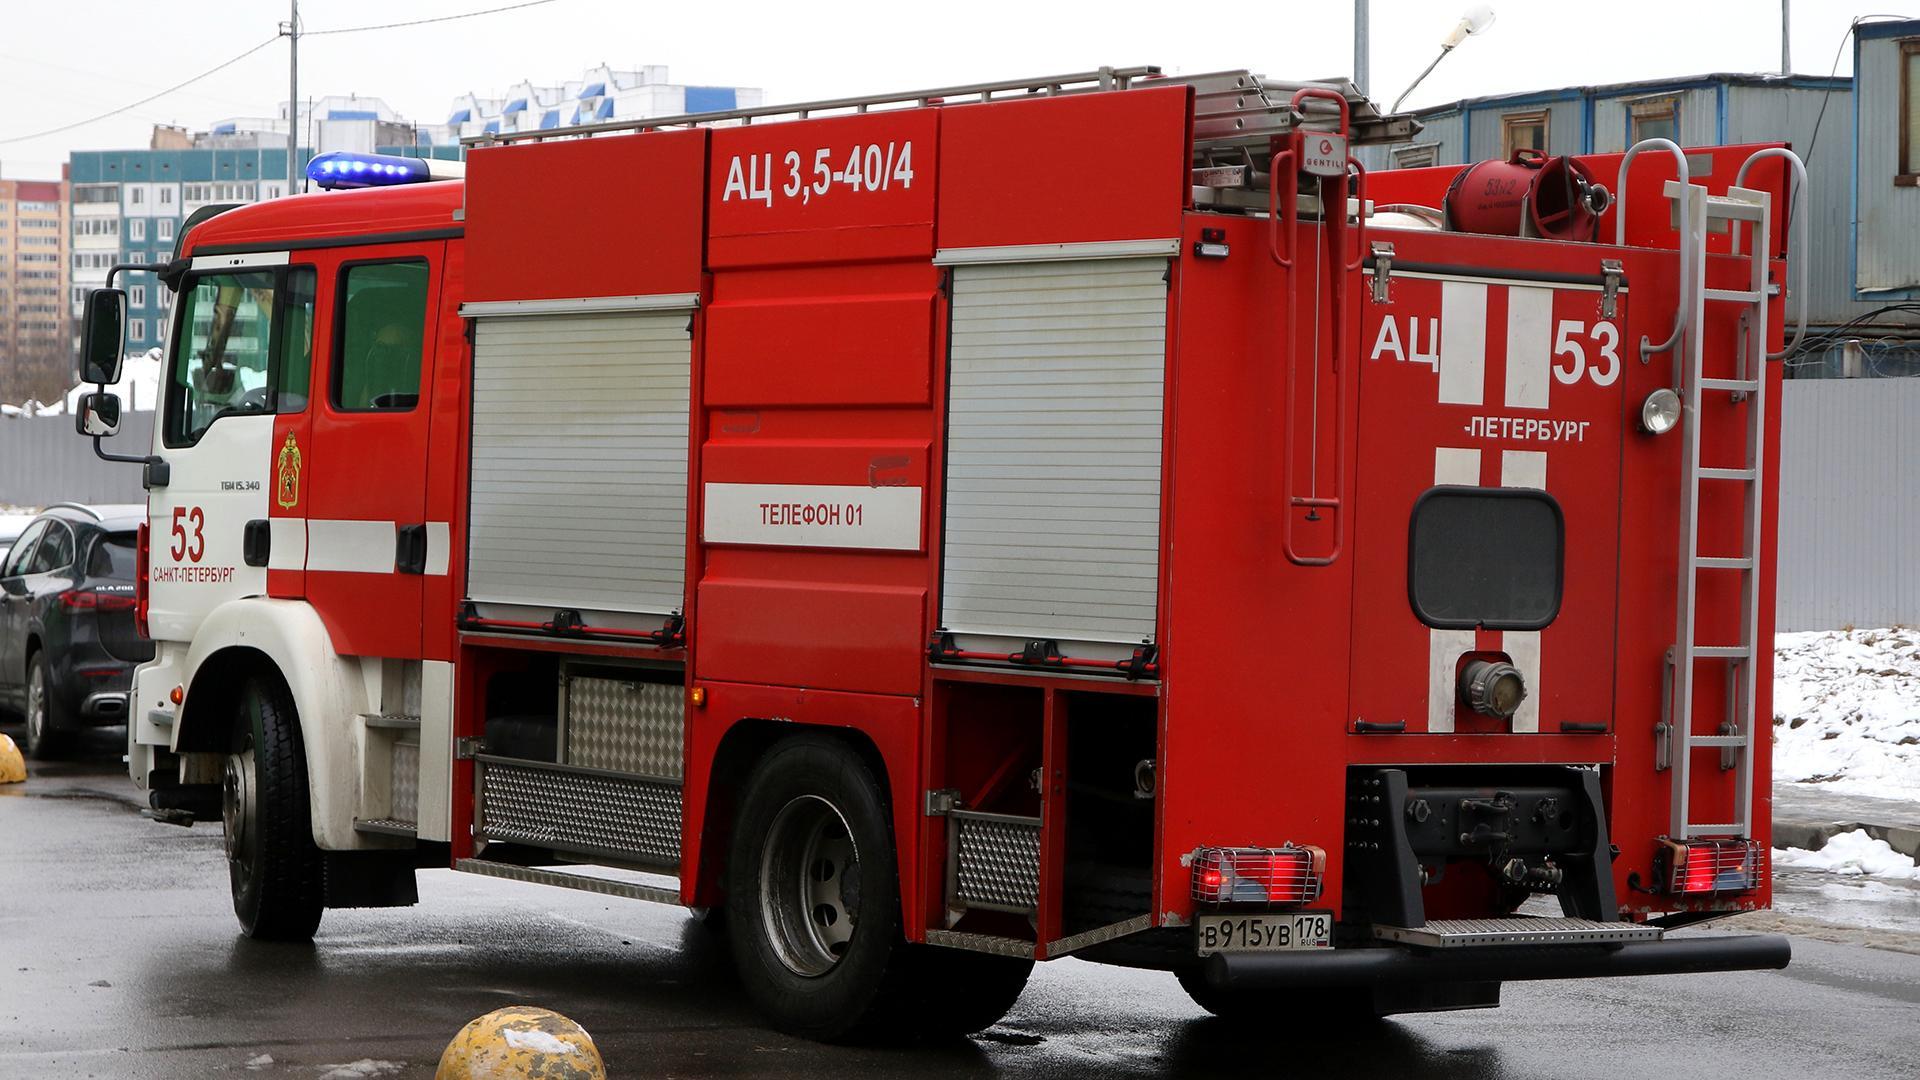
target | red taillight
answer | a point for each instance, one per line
(140, 582)
(1706, 867)
(1286, 875)
(88, 600)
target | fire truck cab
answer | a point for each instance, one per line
(942, 531)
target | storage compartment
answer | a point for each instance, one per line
(579, 497)
(1057, 375)
(621, 723)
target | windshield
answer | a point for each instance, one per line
(221, 353)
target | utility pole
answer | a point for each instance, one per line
(292, 30)
(1786, 37)
(1360, 44)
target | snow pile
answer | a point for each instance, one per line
(1852, 854)
(538, 1041)
(364, 1069)
(1846, 711)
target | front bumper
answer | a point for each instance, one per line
(1398, 965)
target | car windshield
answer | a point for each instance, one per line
(113, 557)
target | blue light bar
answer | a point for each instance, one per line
(341, 169)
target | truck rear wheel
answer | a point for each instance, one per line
(272, 861)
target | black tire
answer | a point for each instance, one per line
(272, 862)
(1324, 1008)
(860, 991)
(46, 735)
(963, 992)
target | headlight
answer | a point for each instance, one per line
(1492, 688)
(1660, 413)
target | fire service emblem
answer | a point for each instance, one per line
(287, 490)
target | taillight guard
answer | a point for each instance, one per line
(1282, 876)
(140, 581)
(1709, 867)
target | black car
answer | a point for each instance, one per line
(68, 640)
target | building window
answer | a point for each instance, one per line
(1655, 118)
(137, 230)
(166, 196)
(1523, 131)
(137, 296)
(136, 196)
(1909, 108)
(1424, 156)
(137, 330)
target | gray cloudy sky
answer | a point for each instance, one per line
(68, 61)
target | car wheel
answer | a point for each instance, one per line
(813, 903)
(272, 861)
(45, 723)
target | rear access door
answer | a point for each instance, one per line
(1488, 484)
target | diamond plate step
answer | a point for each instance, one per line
(1516, 930)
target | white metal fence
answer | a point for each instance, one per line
(43, 460)
(1849, 503)
(1849, 494)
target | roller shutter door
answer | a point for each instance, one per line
(1057, 375)
(579, 493)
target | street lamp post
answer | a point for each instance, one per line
(1477, 18)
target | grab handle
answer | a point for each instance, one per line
(1647, 348)
(1798, 253)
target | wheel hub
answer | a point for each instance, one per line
(810, 886)
(36, 706)
(237, 804)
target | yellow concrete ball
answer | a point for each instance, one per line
(13, 768)
(521, 1041)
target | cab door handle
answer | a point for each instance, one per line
(410, 549)
(256, 542)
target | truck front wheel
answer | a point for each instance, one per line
(272, 861)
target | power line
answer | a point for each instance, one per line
(423, 22)
(134, 105)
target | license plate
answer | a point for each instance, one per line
(1263, 933)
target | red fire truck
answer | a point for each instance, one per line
(943, 531)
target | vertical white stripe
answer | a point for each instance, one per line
(1529, 339)
(434, 817)
(1463, 343)
(439, 548)
(1451, 465)
(1524, 469)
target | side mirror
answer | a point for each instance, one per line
(103, 338)
(98, 414)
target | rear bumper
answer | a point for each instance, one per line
(1396, 965)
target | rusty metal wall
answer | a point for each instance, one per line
(43, 460)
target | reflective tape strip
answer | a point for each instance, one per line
(358, 547)
(354, 547)
(287, 543)
(1451, 465)
(1524, 469)
(439, 548)
(1463, 344)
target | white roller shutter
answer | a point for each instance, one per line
(1057, 373)
(579, 493)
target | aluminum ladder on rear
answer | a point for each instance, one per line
(1705, 399)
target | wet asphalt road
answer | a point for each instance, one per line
(119, 957)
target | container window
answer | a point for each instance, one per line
(1486, 558)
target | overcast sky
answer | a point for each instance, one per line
(61, 62)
